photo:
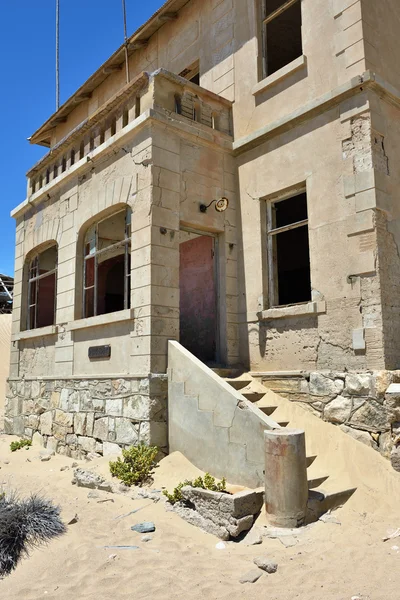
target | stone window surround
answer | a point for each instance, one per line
(295, 310)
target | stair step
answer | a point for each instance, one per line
(310, 460)
(226, 372)
(238, 384)
(316, 482)
(267, 410)
(253, 396)
(320, 502)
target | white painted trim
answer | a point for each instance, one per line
(283, 73)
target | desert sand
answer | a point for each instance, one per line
(328, 561)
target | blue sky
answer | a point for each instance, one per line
(90, 31)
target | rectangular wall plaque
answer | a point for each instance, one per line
(99, 352)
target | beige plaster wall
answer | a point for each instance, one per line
(325, 154)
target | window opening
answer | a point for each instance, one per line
(102, 136)
(81, 150)
(125, 118)
(107, 265)
(40, 182)
(47, 176)
(55, 171)
(91, 144)
(281, 34)
(288, 251)
(63, 164)
(192, 73)
(72, 157)
(42, 277)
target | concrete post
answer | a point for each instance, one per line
(286, 485)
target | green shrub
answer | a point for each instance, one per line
(136, 465)
(206, 483)
(20, 444)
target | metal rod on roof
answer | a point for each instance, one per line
(57, 54)
(126, 42)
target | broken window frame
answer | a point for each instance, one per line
(94, 254)
(265, 20)
(272, 233)
(34, 278)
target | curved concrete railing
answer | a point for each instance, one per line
(212, 424)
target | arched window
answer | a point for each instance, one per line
(42, 278)
(107, 265)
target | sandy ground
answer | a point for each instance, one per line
(329, 561)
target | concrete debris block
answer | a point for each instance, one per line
(395, 458)
(145, 527)
(252, 538)
(339, 410)
(361, 436)
(45, 458)
(266, 564)
(87, 479)
(218, 513)
(251, 576)
(323, 385)
(359, 384)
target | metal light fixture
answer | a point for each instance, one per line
(220, 205)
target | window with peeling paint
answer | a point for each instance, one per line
(42, 281)
(107, 265)
(281, 34)
(288, 251)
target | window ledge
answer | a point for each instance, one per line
(35, 333)
(298, 310)
(278, 76)
(109, 319)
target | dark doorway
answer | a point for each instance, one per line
(198, 297)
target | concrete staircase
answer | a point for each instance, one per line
(325, 491)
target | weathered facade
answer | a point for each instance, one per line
(290, 111)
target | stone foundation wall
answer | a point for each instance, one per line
(79, 416)
(357, 402)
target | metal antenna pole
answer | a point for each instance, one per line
(57, 54)
(126, 42)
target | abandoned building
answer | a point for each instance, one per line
(232, 187)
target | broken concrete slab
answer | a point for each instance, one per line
(87, 479)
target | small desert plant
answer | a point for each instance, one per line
(25, 524)
(206, 483)
(136, 465)
(20, 444)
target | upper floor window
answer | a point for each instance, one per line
(107, 265)
(42, 277)
(281, 34)
(288, 251)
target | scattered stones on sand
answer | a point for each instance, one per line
(144, 527)
(146, 538)
(266, 564)
(252, 538)
(88, 479)
(45, 458)
(251, 576)
(329, 518)
(93, 495)
(64, 468)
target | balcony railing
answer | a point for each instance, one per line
(161, 91)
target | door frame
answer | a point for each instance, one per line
(217, 283)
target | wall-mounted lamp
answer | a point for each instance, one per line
(220, 205)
